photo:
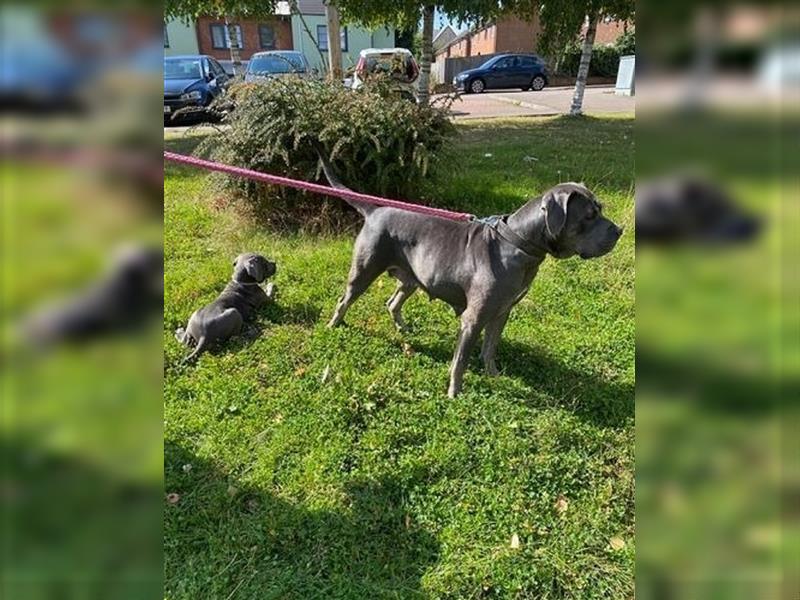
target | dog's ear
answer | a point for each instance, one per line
(255, 269)
(554, 206)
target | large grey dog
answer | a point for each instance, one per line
(481, 269)
(237, 303)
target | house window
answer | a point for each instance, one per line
(322, 38)
(166, 37)
(220, 38)
(266, 37)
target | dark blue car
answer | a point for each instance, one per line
(524, 71)
(192, 82)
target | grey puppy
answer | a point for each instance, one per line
(480, 268)
(237, 303)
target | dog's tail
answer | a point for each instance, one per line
(362, 207)
(201, 345)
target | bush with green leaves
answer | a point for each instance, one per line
(605, 57)
(376, 141)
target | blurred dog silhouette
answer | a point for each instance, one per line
(688, 208)
(130, 292)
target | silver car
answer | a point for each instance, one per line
(277, 63)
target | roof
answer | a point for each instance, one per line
(311, 7)
(184, 56)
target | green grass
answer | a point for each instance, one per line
(372, 483)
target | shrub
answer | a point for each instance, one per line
(377, 142)
(605, 58)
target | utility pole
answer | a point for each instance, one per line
(334, 42)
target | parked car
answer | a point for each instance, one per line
(396, 63)
(524, 71)
(277, 63)
(192, 82)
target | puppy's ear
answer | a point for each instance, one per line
(255, 269)
(555, 211)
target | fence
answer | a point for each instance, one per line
(444, 69)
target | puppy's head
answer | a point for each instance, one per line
(252, 268)
(574, 223)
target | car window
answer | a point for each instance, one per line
(269, 64)
(527, 61)
(189, 68)
(216, 68)
(504, 63)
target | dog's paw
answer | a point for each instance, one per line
(271, 290)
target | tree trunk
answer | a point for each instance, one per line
(236, 58)
(334, 42)
(427, 55)
(583, 68)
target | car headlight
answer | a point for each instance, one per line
(196, 95)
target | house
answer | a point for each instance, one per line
(608, 30)
(281, 31)
(179, 38)
(353, 39)
(443, 37)
(510, 34)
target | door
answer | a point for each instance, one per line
(519, 72)
(501, 73)
(220, 77)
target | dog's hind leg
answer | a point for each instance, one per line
(405, 288)
(362, 274)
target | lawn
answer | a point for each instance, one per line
(315, 463)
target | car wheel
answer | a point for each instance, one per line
(476, 86)
(538, 83)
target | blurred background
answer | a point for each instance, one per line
(718, 485)
(80, 431)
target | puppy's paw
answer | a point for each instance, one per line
(180, 335)
(271, 290)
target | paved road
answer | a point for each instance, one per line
(550, 101)
(516, 103)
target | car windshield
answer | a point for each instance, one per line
(276, 63)
(185, 68)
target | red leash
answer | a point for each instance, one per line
(314, 187)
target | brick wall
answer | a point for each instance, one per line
(483, 41)
(250, 39)
(460, 48)
(516, 35)
(607, 32)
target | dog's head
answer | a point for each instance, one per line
(574, 223)
(250, 267)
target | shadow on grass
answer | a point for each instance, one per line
(76, 530)
(225, 537)
(587, 395)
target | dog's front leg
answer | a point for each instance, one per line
(491, 339)
(470, 330)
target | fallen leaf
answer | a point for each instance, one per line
(408, 521)
(561, 505)
(300, 371)
(173, 498)
(232, 491)
(187, 467)
(515, 541)
(488, 155)
(326, 374)
(616, 543)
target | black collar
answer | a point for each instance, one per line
(500, 225)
